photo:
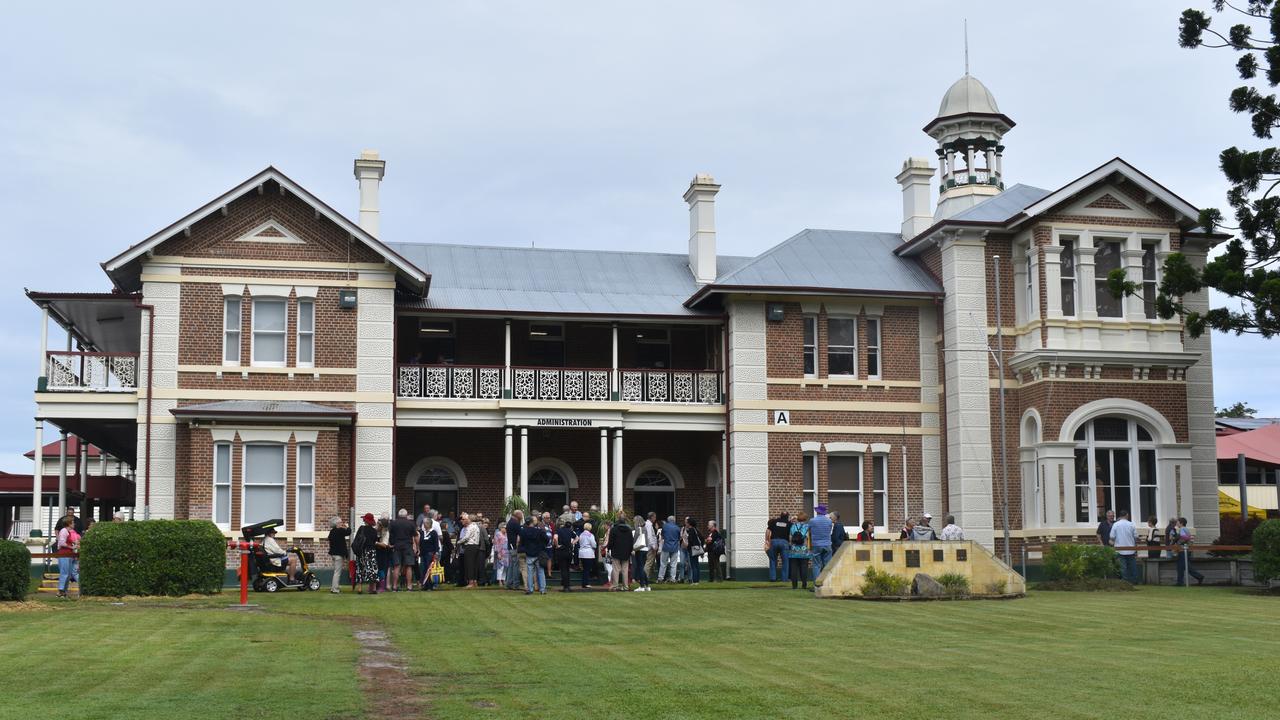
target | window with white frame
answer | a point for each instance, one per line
(842, 346)
(306, 492)
(231, 331)
(1150, 281)
(1106, 258)
(264, 472)
(809, 494)
(1115, 470)
(810, 346)
(844, 487)
(880, 488)
(1030, 288)
(222, 485)
(1067, 273)
(306, 332)
(268, 331)
(873, 347)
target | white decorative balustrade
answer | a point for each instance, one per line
(572, 384)
(450, 381)
(93, 372)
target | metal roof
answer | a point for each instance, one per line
(967, 95)
(273, 408)
(841, 260)
(483, 278)
(1000, 208)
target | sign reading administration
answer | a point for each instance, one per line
(565, 422)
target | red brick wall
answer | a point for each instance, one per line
(786, 473)
(899, 344)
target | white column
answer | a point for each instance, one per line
(44, 341)
(989, 156)
(82, 466)
(969, 170)
(613, 382)
(62, 471)
(1131, 263)
(506, 370)
(37, 475)
(617, 468)
(102, 463)
(604, 468)
(524, 463)
(507, 489)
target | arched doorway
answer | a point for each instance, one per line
(1116, 469)
(435, 482)
(548, 490)
(655, 493)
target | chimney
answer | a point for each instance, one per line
(369, 170)
(701, 197)
(917, 215)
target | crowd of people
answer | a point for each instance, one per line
(1122, 534)
(799, 548)
(469, 550)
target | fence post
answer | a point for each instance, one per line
(1186, 566)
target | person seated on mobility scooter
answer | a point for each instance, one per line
(277, 555)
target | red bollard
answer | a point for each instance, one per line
(243, 547)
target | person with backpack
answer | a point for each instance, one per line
(691, 550)
(365, 548)
(799, 551)
(620, 541)
(639, 553)
(670, 544)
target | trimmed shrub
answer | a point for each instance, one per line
(957, 585)
(1266, 551)
(879, 583)
(15, 570)
(152, 557)
(1078, 562)
(1235, 532)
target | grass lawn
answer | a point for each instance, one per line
(691, 652)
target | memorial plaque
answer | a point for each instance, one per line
(962, 555)
(913, 558)
(939, 555)
(887, 556)
(862, 555)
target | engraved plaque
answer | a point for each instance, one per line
(887, 556)
(939, 555)
(962, 555)
(862, 555)
(913, 558)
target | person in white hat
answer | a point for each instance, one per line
(922, 531)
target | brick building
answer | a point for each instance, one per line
(265, 356)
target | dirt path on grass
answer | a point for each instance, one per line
(384, 675)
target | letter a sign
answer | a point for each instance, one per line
(781, 417)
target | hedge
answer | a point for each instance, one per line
(1081, 562)
(15, 570)
(1266, 551)
(152, 557)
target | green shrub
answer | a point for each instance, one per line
(956, 584)
(1087, 585)
(1078, 562)
(513, 503)
(1266, 551)
(15, 570)
(152, 557)
(879, 583)
(997, 587)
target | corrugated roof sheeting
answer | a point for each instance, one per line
(835, 259)
(999, 208)
(506, 279)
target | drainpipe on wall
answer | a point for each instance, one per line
(727, 445)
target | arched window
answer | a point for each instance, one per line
(655, 492)
(653, 480)
(1116, 469)
(435, 482)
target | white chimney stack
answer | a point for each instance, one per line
(917, 213)
(701, 197)
(369, 170)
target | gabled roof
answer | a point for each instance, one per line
(829, 262)
(73, 449)
(546, 281)
(115, 266)
(1000, 213)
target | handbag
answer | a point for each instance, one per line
(696, 551)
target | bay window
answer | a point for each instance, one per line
(1150, 285)
(1115, 470)
(1105, 259)
(1067, 273)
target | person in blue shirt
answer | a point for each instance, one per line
(533, 543)
(820, 528)
(670, 549)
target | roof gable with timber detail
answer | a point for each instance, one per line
(267, 211)
(1114, 189)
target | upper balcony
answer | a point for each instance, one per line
(90, 372)
(102, 334)
(532, 360)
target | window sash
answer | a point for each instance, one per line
(306, 333)
(842, 346)
(1106, 259)
(1067, 276)
(1030, 287)
(231, 331)
(844, 485)
(810, 346)
(1150, 281)
(873, 347)
(263, 494)
(809, 484)
(880, 487)
(1119, 474)
(269, 327)
(222, 484)
(306, 492)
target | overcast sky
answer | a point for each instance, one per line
(566, 124)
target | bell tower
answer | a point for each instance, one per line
(969, 128)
